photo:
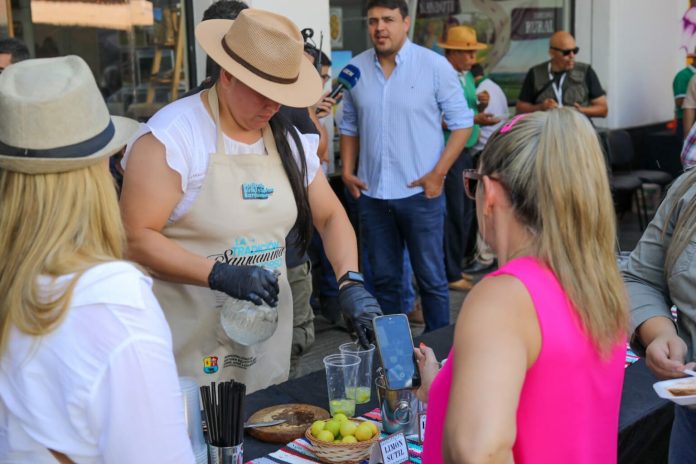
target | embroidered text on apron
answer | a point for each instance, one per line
(241, 216)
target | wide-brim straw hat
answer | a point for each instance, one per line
(54, 118)
(461, 38)
(265, 51)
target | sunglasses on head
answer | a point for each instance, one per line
(568, 51)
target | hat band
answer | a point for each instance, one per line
(76, 150)
(255, 70)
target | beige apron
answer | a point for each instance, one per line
(241, 216)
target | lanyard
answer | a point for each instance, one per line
(557, 89)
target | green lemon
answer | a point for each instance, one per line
(349, 439)
(332, 426)
(363, 432)
(348, 428)
(373, 426)
(317, 427)
(340, 417)
(325, 435)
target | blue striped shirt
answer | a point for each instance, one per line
(398, 119)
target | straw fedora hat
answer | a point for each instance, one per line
(54, 118)
(461, 38)
(265, 51)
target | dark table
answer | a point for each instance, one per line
(644, 420)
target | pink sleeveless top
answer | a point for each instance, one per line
(569, 404)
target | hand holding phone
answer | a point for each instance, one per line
(395, 346)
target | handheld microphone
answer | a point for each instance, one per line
(347, 79)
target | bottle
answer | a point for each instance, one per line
(247, 323)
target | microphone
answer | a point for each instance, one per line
(347, 79)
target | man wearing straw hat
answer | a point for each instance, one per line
(214, 182)
(87, 372)
(461, 47)
(392, 121)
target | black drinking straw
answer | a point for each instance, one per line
(240, 414)
(224, 412)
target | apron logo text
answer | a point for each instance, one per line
(256, 191)
(247, 252)
(210, 364)
(242, 362)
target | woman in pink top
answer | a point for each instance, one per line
(536, 370)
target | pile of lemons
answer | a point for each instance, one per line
(340, 429)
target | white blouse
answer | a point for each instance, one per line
(103, 386)
(189, 135)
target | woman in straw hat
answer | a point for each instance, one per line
(552, 302)
(85, 348)
(214, 182)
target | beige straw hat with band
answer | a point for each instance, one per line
(265, 51)
(461, 38)
(54, 118)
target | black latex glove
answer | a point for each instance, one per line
(252, 283)
(359, 308)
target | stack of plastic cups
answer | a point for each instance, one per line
(192, 412)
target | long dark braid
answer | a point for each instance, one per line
(281, 127)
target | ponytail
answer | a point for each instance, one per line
(554, 171)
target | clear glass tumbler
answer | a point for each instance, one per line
(341, 380)
(363, 389)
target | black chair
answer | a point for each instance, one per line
(620, 143)
(626, 187)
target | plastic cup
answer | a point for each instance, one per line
(341, 379)
(363, 389)
(192, 412)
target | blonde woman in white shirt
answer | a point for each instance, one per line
(87, 373)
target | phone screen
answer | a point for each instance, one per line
(395, 345)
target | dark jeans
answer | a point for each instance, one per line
(459, 219)
(419, 223)
(326, 279)
(682, 442)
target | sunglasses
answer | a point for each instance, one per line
(471, 178)
(471, 181)
(566, 52)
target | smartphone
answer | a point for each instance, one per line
(395, 346)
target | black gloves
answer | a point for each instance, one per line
(359, 308)
(252, 283)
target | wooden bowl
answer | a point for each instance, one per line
(299, 417)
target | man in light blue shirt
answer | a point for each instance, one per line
(392, 119)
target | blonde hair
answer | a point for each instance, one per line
(685, 226)
(553, 169)
(52, 225)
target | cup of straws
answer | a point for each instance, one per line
(223, 407)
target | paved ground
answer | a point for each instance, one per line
(328, 338)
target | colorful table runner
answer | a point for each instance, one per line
(300, 451)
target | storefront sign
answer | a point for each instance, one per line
(428, 8)
(336, 25)
(535, 23)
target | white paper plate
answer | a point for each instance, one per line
(661, 388)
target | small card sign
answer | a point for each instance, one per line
(391, 450)
(421, 427)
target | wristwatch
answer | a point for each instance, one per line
(351, 277)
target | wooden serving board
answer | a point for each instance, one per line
(299, 418)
